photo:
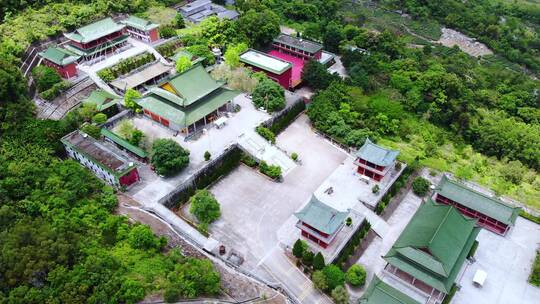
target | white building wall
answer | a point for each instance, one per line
(98, 171)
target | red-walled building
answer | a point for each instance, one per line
(106, 161)
(298, 47)
(96, 39)
(319, 222)
(492, 214)
(64, 61)
(275, 68)
(375, 161)
(141, 29)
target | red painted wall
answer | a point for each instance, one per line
(67, 71)
(154, 35)
(130, 178)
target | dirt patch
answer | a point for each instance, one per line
(468, 45)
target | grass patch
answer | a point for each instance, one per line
(160, 14)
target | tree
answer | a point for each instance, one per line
(420, 186)
(45, 77)
(92, 130)
(334, 276)
(333, 37)
(202, 50)
(129, 99)
(269, 95)
(179, 21)
(136, 137)
(141, 237)
(307, 258)
(167, 31)
(266, 133)
(340, 295)
(260, 27)
(204, 206)
(319, 280)
(207, 156)
(318, 261)
(191, 279)
(168, 157)
(99, 118)
(298, 248)
(183, 63)
(356, 275)
(316, 75)
(232, 54)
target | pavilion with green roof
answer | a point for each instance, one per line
(103, 100)
(378, 292)
(96, 38)
(319, 222)
(62, 60)
(187, 101)
(492, 213)
(141, 29)
(432, 249)
(375, 161)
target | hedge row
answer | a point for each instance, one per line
(125, 66)
(168, 48)
(281, 123)
(352, 244)
(394, 189)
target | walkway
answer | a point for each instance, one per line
(261, 149)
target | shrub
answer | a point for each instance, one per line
(307, 258)
(45, 77)
(420, 186)
(92, 130)
(340, 295)
(375, 189)
(106, 75)
(179, 21)
(248, 160)
(266, 133)
(141, 237)
(269, 95)
(54, 91)
(167, 31)
(348, 221)
(168, 157)
(535, 275)
(136, 137)
(397, 166)
(334, 276)
(318, 261)
(319, 280)
(99, 118)
(207, 156)
(272, 171)
(183, 63)
(294, 156)
(205, 207)
(473, 249)
(202, 50)
(299, 247)
(356, 275)
(129, 99)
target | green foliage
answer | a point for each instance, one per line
(299, 248)
(45, 77)
(125, 66)
(353, 243)
(129, 99)
(202, 50)
(294, 156)
(192, 279)
(179, 21)
(99, 118)
(141, 237)
(207, 155)
(281, 123)
(319, 280)
(420, 186)
(316, 75)
(54, 91)
(272, 171)
(535, 274)
(167, 31)
(259, 26)
(266, 134)
(183, 63)
(167, 49)
(204, 206)
(269, 95)
(92, 130)
(318, 261)
(136, 137)
(168, 157)
(334, 276)
(333, 37)
(348, 221)
(249, 161)
(307, 258)
(375, 189)
(232, 54)
(356, 275)
(340, 295)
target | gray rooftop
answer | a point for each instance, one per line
(140, 77)
(299, 43)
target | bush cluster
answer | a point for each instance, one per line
(125, 66)
(420, 186)
(266, 133)
(272, 171)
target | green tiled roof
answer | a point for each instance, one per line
(378, 292)
(434, 245)
(161, 105)
(94, 30)
(193, 84)
(376, 154)
(475, 200)
(139, 23)
(101, 47)
(123, 143)
(321, 216)
(59, 56)
(302, 44)
(102, 99)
